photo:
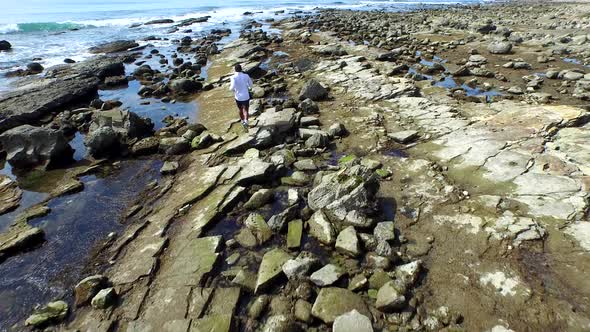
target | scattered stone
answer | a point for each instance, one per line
(87, 288)
(404, 137)
(500, 47)
(259, 199)
(294, 234)
(358, 282)
(347, 242)
(332, 302)
(313, 90)
(390, 298)
(299, 267)
(270, 268)
(169, 167)
(384, 231)
(327, 275)
(27, 146)
(255, 222)
(321, 228)
(104, 299)
(303, 311)
(352, 321)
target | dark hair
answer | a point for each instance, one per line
(238, 68)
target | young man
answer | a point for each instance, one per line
(240, 83)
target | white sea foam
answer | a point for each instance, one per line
(8, 28)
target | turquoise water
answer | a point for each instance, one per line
(48, 31)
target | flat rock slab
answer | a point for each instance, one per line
(333, 302)
(271, 267)
(10, 194)
(404, 137)
(31, 102)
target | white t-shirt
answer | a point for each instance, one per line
(239, 84)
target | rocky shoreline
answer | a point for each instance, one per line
(406, 171)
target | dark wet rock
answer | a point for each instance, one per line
(53, 312)
(159, 21)
(485, 28)
(34, 68)
(69, 61)
(87, 288)
(145, 146)
(101, 66)
(501, 47)
(191, 21)
(333, 302)
(308, 107)
(28, 147)
(10, 194)
(5, 45)
(114, 129)
(183, 86)
(114, 47)
(313, 90)
(30, 103)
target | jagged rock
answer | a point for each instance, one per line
(327, 275)
(347, 242)
(332, 302)
(357, 219)
(384, 231)
(104, 299)
(273, 126)
(183, 86)
(500, 47)
(357, 282)
(169, 167)
(113, 129)
(87, 288)
(245, 279)
(278, 221)
(308, 107)
(113, 47)
(270, 267)
(255, 171)
(317, 140)
(352, 321)
(337, 130)
(321, 228)
(299, 267)
(353, 188)
(297, 179)
(390, 297)
(259, 198)
(313, 90)
(305, 165)
(27, 146)
(53, 312)
(258, 227)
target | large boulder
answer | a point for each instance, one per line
(29, 147)
(274, 126)
(29, 103)
(5, 45)
(183, 86)
(113, 47)
(313, 90)
(111, 130)
(501, 47)
(353, 188)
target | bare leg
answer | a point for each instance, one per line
(240, 113)
(245, 113)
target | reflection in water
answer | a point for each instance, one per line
(75, 224)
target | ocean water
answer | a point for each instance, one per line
(48, 31)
